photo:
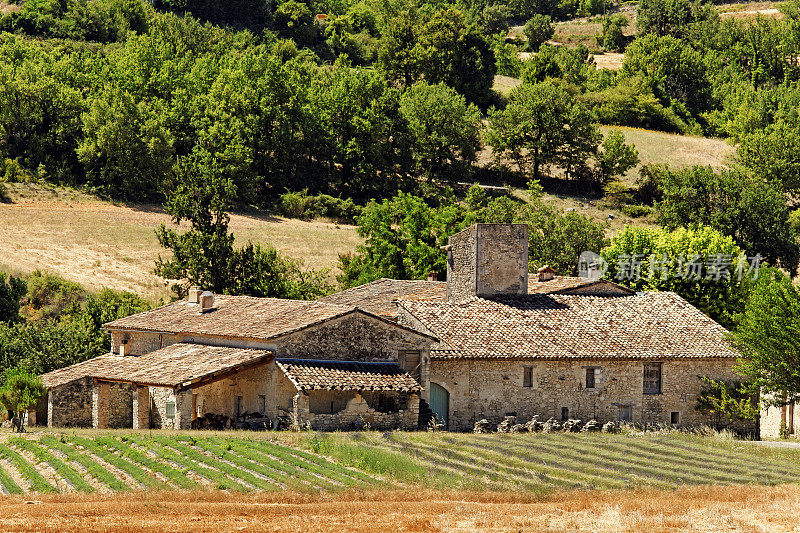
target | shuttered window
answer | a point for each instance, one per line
(652, 378)
(527, 377)
(590, 378)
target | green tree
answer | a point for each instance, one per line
(748, 209)
(20, 392)
(443, 127)
(294, 20)
(767, 337)
(11, 292)
(703, 266)
(612, 38)
(543, 125)
(126, 149)
(669, 17)
(773, 153)
(675, 71)
(616, 157)
(538, 30)
(727, 402)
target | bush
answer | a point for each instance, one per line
(612, 38)
(636, 211)
(298, 204)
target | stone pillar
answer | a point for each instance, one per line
(141, 407)
(301, 409)
(183, 409)
(100, 404)
(50, 408)
(413, 412)
(31, 417)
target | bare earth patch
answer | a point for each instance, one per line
(100, 244)
(705, 508)
(609, 60)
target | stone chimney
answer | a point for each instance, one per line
(194, 294)
(545, 273)
(487, 260)
(207, 302)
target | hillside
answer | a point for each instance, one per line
(103, 244)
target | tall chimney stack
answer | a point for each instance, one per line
(487, 260)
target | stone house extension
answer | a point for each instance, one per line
(178, 362)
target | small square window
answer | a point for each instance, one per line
(674, 417)
(565, 413)
(590, 372)
(170, 409)
(527, 377)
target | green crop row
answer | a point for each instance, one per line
(37, 482)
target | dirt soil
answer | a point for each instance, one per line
(100, 244)
(709, 508)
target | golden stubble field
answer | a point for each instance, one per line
(101, 244)
(705, 508)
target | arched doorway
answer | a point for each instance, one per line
(440, 403)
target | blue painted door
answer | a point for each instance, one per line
(440, 402)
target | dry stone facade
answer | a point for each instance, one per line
(493, 389)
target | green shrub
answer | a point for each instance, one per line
(298, 204)
(636, 211)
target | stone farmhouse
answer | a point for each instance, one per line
(488, 343)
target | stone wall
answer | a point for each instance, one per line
(70, 405)
(487, 260)
(461, 264)
(501, 262)
(220, 397)
(492, 389)
(358, 412)
(772, 419)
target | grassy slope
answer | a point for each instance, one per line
(533, 464)
(100, 244)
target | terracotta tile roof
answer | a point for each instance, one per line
(378, 297)
(234, 316)
(565, 284)
(175, 365)
(644, 325)
(309, 374)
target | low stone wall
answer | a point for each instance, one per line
(357, 413)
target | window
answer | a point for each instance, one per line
(527, 377)
(625, 413)
(674, 417)
(590, 378)
(262, 404)
(565, 413)
(652, 378)
(170, 409)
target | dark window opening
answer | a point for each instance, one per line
(262, 404)
(674, 417)
(625, 413)
(527, 377)
(590, 378)
(652, 378)
(565, 413)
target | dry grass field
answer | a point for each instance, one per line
(101, 244)
(729, 509)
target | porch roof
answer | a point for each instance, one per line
(176, 365)
(308, 375)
